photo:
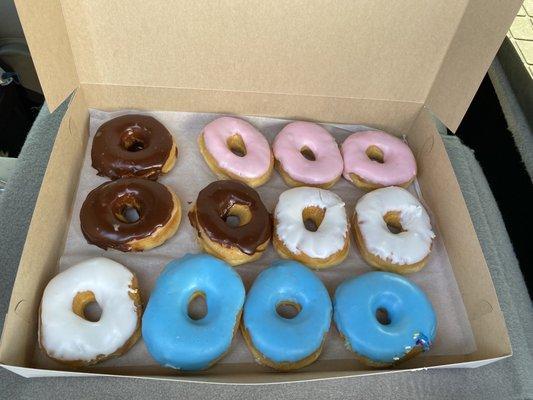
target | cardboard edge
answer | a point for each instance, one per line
(463, 246)
(475, 364)
(46, 34)
(474, 44)
(51, 214)
(253, 379)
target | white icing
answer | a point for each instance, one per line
(67, 336)
(330, 236)
(408, 247)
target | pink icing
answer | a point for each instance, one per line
(327, 165)
(257, 160)
(399, 165)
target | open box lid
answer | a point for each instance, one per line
(428, 52)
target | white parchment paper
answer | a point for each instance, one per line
(188, 177)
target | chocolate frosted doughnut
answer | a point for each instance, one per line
(133, 146)
(244, 241)
(107, 220)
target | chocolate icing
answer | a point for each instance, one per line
(131, 146)
(101, 215)
(212, 208)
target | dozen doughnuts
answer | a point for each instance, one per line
(309, 227)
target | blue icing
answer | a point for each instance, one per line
(277, 338)
(412, 318)
(171, 336)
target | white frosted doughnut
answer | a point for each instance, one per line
(67, 337)
(407, 247)
(329, 238)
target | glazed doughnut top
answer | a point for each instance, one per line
(412, 320)
(214, 204)
(67, 336)
(296, 136)
(277, 338)
(398, 166)
(254, 163)
(100, 215)
(329, 238)
(131, 145)
(172, 337)
(407, 247)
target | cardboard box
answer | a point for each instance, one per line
(391, 65)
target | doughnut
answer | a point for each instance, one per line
(375, 159)
(283, 341)
(67, 335)
(392, 230)
(307, 155)
(133, 146)
(217, 205)
(310, 225)
(173, 336)
(106, 215)
(384, 318)
(233, 148)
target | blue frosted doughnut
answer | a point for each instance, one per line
(171, 336)
(412, 321)
(280, 342)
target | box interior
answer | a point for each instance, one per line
(54, 210)
(342, 63)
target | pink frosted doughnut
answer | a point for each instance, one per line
(234, 148)
(296, 146)
(374, 159)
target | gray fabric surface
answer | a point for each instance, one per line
(516, 120)
(508, 379)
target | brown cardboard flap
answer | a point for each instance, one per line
(45, 32)
(350, 49)
(380, 50)
(476, 41)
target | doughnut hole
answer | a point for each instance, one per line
(288, 309)
(134, 139)
(84, 305)
(308, 153)
(236, 145)
(197, 307)
(387, 308)
(127, 209)
(312, 217)
(237, 215)
(382, 316)
(394, 224)
(374, 153)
